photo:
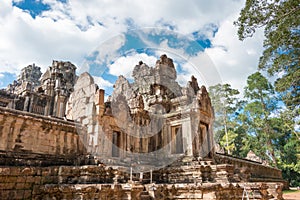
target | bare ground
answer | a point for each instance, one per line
(292, 196)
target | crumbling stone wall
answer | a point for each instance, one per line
(33, 182)
(19, 182)
(27, 80)
(43, 95)
(30, 134)
(251, 170)
(103, 182)
(83, 106)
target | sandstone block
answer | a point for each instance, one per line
(7, 186)
(21, 179)
(23, 186)
(27, 194)
(4, 194)
(15, 171)
(5, 171)
(27, 171)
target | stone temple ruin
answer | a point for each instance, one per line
(151, 139)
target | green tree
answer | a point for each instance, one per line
(243, 141)
(290, 161)
(288, 147)
(280, 20)
(225, 103)
(262, 103)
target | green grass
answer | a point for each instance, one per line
(290, 191)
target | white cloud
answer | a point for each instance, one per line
(227, 61)
(25, 40)
(1, 82)
(125, 64)
(18, 1)
(106, 52)
(72, 31)
(202, 67)
(101, 82)
(235, 60)
(186, 16)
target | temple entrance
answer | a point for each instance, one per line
(202, 142)
(177, 144)
(205, 141)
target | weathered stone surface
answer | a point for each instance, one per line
(28, 80)
(139, 112)
(79, 182)
(84, 93)
(44, 95)
(83, 106)
(29, 139)
(258, 171)
(251, 156)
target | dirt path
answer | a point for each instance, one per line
(292, 196)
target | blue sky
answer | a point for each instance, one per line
(34, 8)
(107, 38)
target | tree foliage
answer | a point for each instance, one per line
(225, 103)
(257, 123)
(280, 20)
(261, 103)
(280, 58)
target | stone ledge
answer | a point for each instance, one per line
(38, 117)
(9, 158)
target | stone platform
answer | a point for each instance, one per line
(193, 180)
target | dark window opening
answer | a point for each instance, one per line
(115, 144)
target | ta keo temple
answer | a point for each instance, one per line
(61, 138)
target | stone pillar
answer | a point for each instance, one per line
(100, 101)
(26, 103)
(47, 107)
(212, 148)
(60, 106)
(52, 98)
(121, 143)
(166, 139)
(54, 108)
(145, 143)
(187, 134)
(31, 103)
(208, 141)
(101, 97)
(128, 143)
